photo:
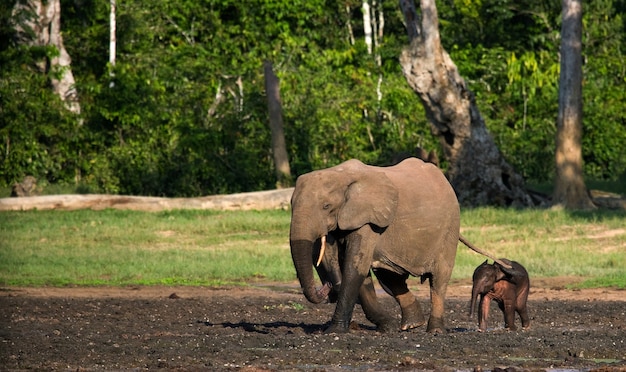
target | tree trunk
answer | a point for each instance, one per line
(569, 189)
(39, 24)
(367, 25)
(476, 169)
(279, 148)
(112, 33)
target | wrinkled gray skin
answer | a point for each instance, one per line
(392, 221)
(508, 287)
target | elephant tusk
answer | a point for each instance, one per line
(319, 260)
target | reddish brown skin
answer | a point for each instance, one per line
(508, 287)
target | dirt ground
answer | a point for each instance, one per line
(267, 327)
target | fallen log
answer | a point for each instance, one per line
(608, 200)
(260, 200)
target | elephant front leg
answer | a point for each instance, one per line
(340, 322)
(483, 312)
(358, 259)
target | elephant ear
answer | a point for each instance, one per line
(370, 198)
(503, 272)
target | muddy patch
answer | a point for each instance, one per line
(272, 327)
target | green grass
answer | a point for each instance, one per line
(113, 247)
(549, 243)
(124, 247)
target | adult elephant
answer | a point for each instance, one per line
(395, 221)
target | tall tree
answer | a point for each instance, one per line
(367, 25)
(373, 29)
(279, 148)
(112, 30)
(38, 23)
(476, 168)
(569, 188)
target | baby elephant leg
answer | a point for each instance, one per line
(522, 310)
(506, 294)
(483, 312)
(508, 307)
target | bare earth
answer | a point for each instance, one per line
(266, 327)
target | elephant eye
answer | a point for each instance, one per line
(326, 206)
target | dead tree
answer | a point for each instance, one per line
(38, 23)
(477, 170)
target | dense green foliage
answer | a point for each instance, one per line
(183, 112)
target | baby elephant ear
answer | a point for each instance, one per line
(371, 198)
(503, 271)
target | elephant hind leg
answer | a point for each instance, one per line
(508, 307)
(395, 285)
(523, 314)
(438, 288)
(372, 308)
(522, 309)
(412, 316)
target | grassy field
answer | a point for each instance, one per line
(113, 247)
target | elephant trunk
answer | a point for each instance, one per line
(302, 253)
(475, 294)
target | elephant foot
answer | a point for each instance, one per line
(410, 325)
(387, 326)
(435, 326)
(436, 331)
(412, 317)
(338, 327)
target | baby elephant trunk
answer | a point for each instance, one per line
(475, 295)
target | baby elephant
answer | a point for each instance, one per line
(508, 287)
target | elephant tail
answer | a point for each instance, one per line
(471, 246)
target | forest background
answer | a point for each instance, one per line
(183, 112)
